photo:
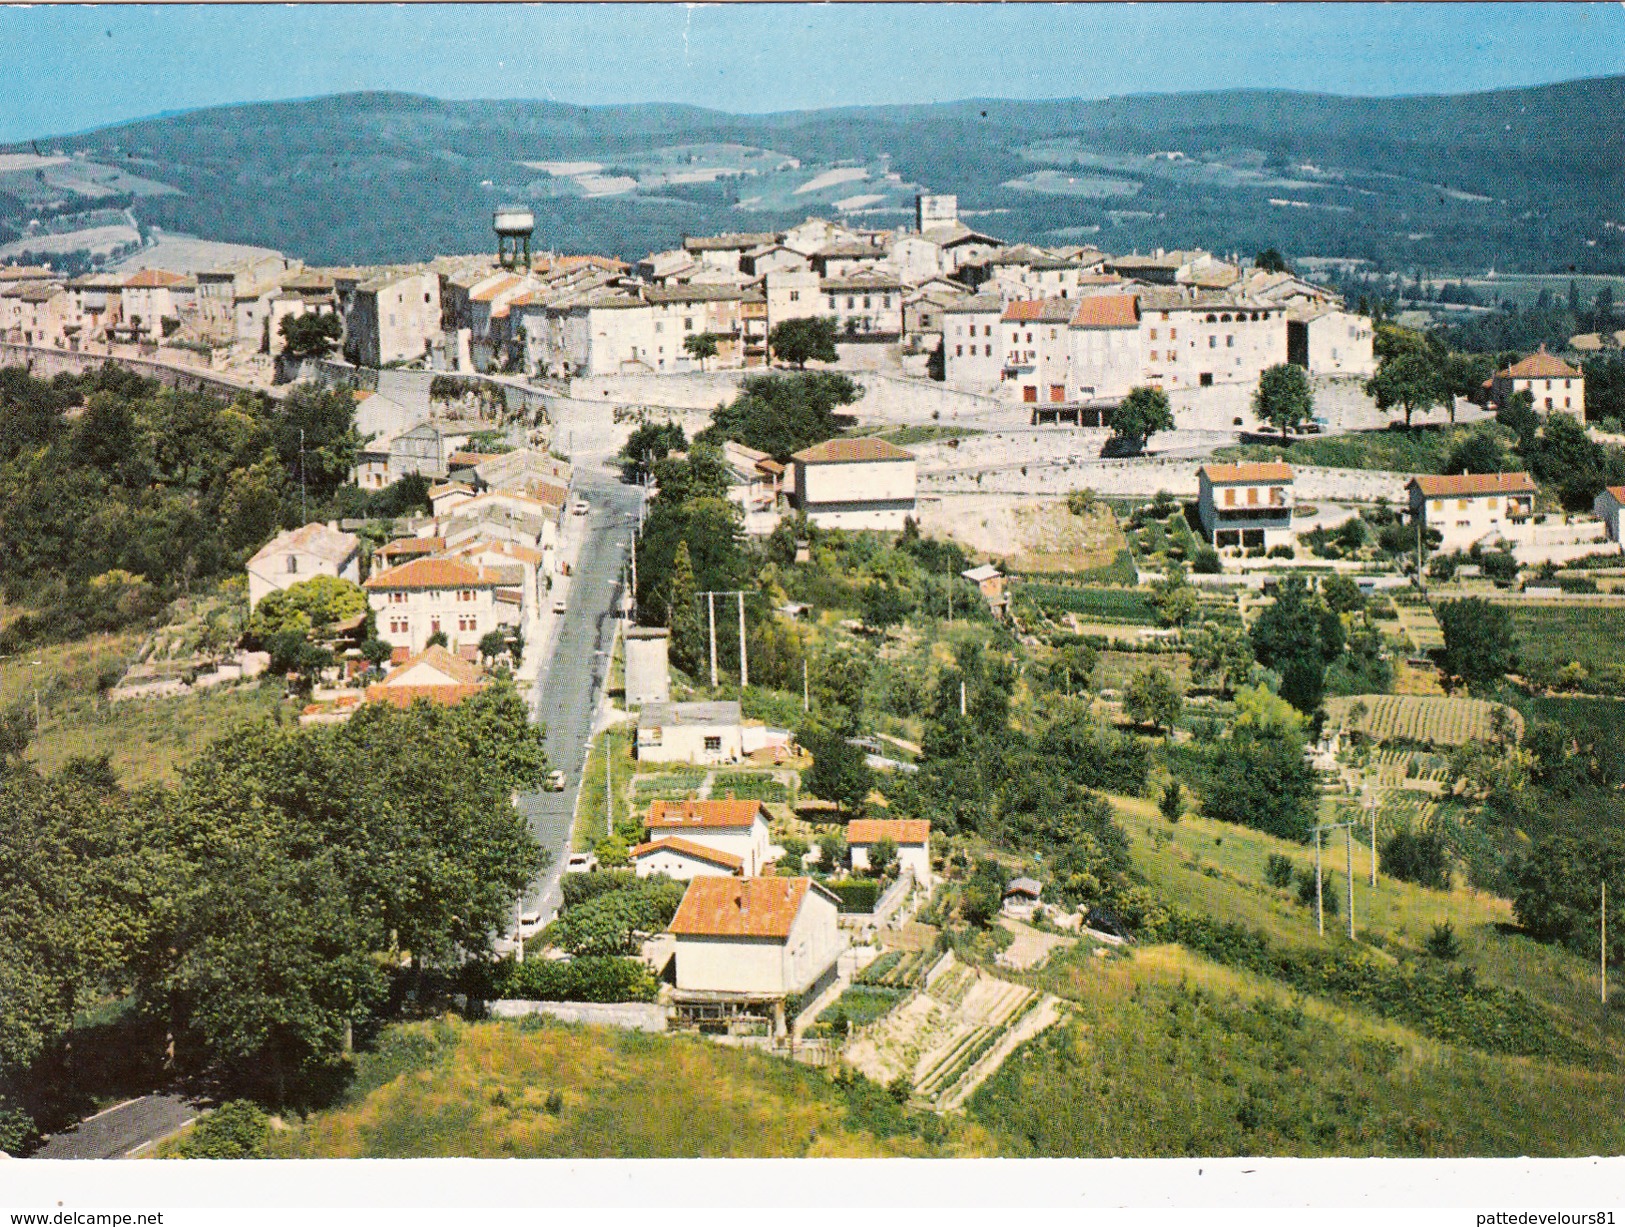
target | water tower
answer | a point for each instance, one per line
(513, 225)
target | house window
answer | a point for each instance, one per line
(1213, 342)
(397, 598)
(465, 594)
(885, 301)
(1153, 334)
(688, 323)
(1206, 379)
(1229, 498)
(851, 302)
(1173, 334)
(1438, 504)
(399, 626)
(293, 565)
(1029, 338)
(1252, 496)
(1173, 355)
(795, 296)
(1029, 394)
(660, 326)
(713, 745)
(1230, 342)
(1461, 504)
(867, 302)
(959, 351)
(434, 626)
(989, 350)
(832, 302)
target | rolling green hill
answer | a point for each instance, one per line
(1517, 179)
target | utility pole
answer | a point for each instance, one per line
(1371, 812)
(609, 784)
(1348, 853)
(1604, 924)
(961, 698)
(304, 513)
(711, 608)
(806, 693)
(744, 670)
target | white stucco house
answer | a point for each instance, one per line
(754, 937)
(414, 601)
(738, 828)
(690, 733)
(1468, 507)
(292, 557)
(682, 859)
(911, 835)
(855, 484)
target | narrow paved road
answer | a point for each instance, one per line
(572, 680)
(119, 1130)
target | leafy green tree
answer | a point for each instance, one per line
(1151, 697)
(492, 645)
(839, 772)
(804, 340)
(1283, 399)
(376, 652)
(1341, 594)
(314, 434)
(1417, 856)
(1518, 415)
(1298, 636)
(1173, 596)
(884, 606)
(1278, 870)
(238, 1129)
(648, 444)
(1264, 783)
(1221, 652)
(683, 615)
(1171, 805)
(437, 640)
(883, 857)
(1442, 943)
(1270, 261)
(1557, 892)
(1142, 413)
(311, 605)
(311, 335)
(1410, 382)
(783, 413)
(1480, 644)
(831, 851)
(700, 346)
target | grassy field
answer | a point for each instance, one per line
(1169, 1055)
(1558, 634)
(590, 821)
(482, 1090)
(1126, 605)
(1217, 868)
(1116, 668)
(149, 740)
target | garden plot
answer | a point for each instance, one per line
(1438, 720)
(949, 1037)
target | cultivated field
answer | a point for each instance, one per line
(1556, 635)
(1438, 720)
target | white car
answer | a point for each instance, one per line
(530, 923)
(581, 862)
(555, 780)
(559, 606)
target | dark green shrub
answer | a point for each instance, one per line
(855, 894)
(1442, 943)
(235, 1130)
(1278, 870)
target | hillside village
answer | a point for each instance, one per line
(940, 642)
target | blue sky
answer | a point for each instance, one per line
(71, 68)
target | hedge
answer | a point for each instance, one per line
(855, 894)
(590, 978)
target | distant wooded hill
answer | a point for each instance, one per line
(1528, 179)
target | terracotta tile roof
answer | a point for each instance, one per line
(495, 288)
(1036, 310)
(688, 847)
(407, 546)
(463, 672)
(1468, 485)
(405, 696)
(450, 487)
(468, 460)
(433, 573)
(740, 907)
(507, 549)
(1618, 493)
(1233, 474)
(150, 279)
(898, 830)
(1107, 311)
(1541, 365)
(317, 539)
(667, 815)
(843, 450)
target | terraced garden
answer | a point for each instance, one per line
(1432, 719)
(951, 1035)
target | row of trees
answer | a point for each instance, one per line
(258, 911)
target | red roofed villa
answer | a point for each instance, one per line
(738, 828)
(1553, 385)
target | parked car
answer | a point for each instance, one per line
(579, 507)
(559, 606)
(530, 922)
(555, 780)
(581, 862)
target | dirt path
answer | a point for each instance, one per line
(1031, 946)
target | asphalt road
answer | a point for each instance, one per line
(571, 681)
(119, 1130)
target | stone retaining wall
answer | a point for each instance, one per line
(627, 1015)
(43, 362)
